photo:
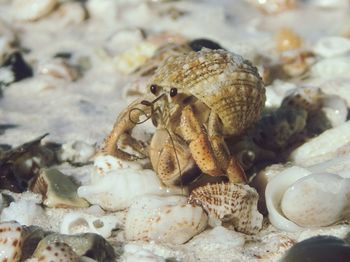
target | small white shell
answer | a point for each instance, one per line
(316, 200)
(30, 10)
(339, 87)
(58, 69)
(274, 193)
(322, 147)
(75, 223)
(297, 198)
(164, 219)
(25, 212)
(332, 46)
(116, 190)
(335, 109)
(11, 241)
(331, 67)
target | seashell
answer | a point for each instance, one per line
(286, 40)
(122, 40)
(11, 241)
(25, 212)
(339, 87)
(56, 252)
(331, 68)
(276, 92)
(297, 198)
(273, 6)
(58, 68)
(70, 13)
(166, 219)
(90, 245)
(269, 246)
(335, 109)
(77, 152)
(316, 200)
(319, 248)
(332, 46)
(116, 188)
(57, 189)
(31, 10)
(230, 203)
(75, 223)
(134, 57)
(222, 81)
(323, 146)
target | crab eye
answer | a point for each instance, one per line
(173, 91)
(153, 88)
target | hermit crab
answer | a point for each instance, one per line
(196, 100)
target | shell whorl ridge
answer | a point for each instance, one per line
(224, 81)
(232, 203)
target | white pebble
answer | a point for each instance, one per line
(332, 46)
(331, 68)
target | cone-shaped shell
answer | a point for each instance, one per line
(234, 204)
(225, 82)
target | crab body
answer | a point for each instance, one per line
(199, 99)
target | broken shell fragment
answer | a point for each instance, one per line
(269, 246)
(167, 219)
(57, 189)
(229, 203)
(74, 223)
(11, 241)
(25, 212)
(323, 146)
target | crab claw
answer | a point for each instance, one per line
(122, 129)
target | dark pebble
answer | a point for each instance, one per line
(319, 249)
(18, 66)
(199, 43)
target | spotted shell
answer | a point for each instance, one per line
(10, 241)
(234, 204)
(56, 252)
(224, 81)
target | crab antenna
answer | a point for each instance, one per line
(176, 157)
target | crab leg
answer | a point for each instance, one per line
(122, 131)
(209, 151)
(233, 169)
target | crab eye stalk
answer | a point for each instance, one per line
(154, 89)
(173, 91)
